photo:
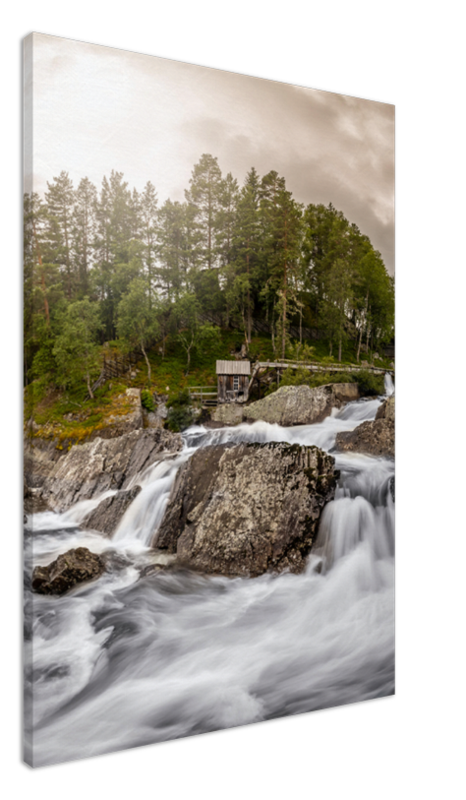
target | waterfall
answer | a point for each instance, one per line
(389, 385)
(130, 660)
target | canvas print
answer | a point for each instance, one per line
(209, 404)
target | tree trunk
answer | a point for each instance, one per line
(42, 277)
(339, 349)
(148, 364)
(88, 381)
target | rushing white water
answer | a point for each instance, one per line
(389, 385)
(130, 660)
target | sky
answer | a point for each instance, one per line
(97, 108)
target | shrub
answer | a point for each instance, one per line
(180, 412)
(179, 419)
(369, 383)
(147, 400)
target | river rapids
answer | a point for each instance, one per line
(131, 659)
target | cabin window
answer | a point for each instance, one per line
(235, 383)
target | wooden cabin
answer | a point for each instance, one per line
(233, 381)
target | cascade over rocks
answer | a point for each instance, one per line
(244, 509)
(301, 405)
(376, 438)
(107, 515)
(94, 467)
(68, 570)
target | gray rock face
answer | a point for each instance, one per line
(301, 405)
(228, 414)
(107, 515)
(375, 438)
(40, 458)
(75, 566)
(387, 409)
(244, 509)
(94, 467)
(118, 425)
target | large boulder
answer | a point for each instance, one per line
(228, 414)
(375, 438)
(106, 517)
(245, 509)
(68, 570)
(301, 405)
(94, 467)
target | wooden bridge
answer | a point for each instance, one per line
(206, 395)
(312, 367)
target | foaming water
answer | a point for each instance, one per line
(389, 385)
(130, 660)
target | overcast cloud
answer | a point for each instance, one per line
(96, 109)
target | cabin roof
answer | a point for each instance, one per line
(233, 367)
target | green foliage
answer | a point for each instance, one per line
(301, 351)
(76, 350)
(180, 412)
(369, 383)
(179, 419)
(147, 400)
(179, 399)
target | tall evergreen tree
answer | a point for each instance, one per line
(83, 232)
(149, 219)
(60, 201)
(204, 195)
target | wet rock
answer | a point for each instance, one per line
(114, 561)
(245, 509)
(377, 438)
(94, 467)
(301, 405)
(387, 409)
(35, 503)
(107, 515)
(152, 569)
(392, 487)
(68, 570)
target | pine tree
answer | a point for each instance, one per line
(149, 219)
(204, 196)
(83, 232)
(60, 202)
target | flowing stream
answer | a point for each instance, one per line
(131, 660)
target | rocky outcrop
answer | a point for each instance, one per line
(301, 405)
(40, 458)
(119, 424)
(94, 467)
(375, 438)
(42, 454)
(107, 515)
(228, 414)
(244, 509)
(72, 568)
(387, 410)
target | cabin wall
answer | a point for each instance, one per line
(226, 391)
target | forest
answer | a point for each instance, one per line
(116, 266)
